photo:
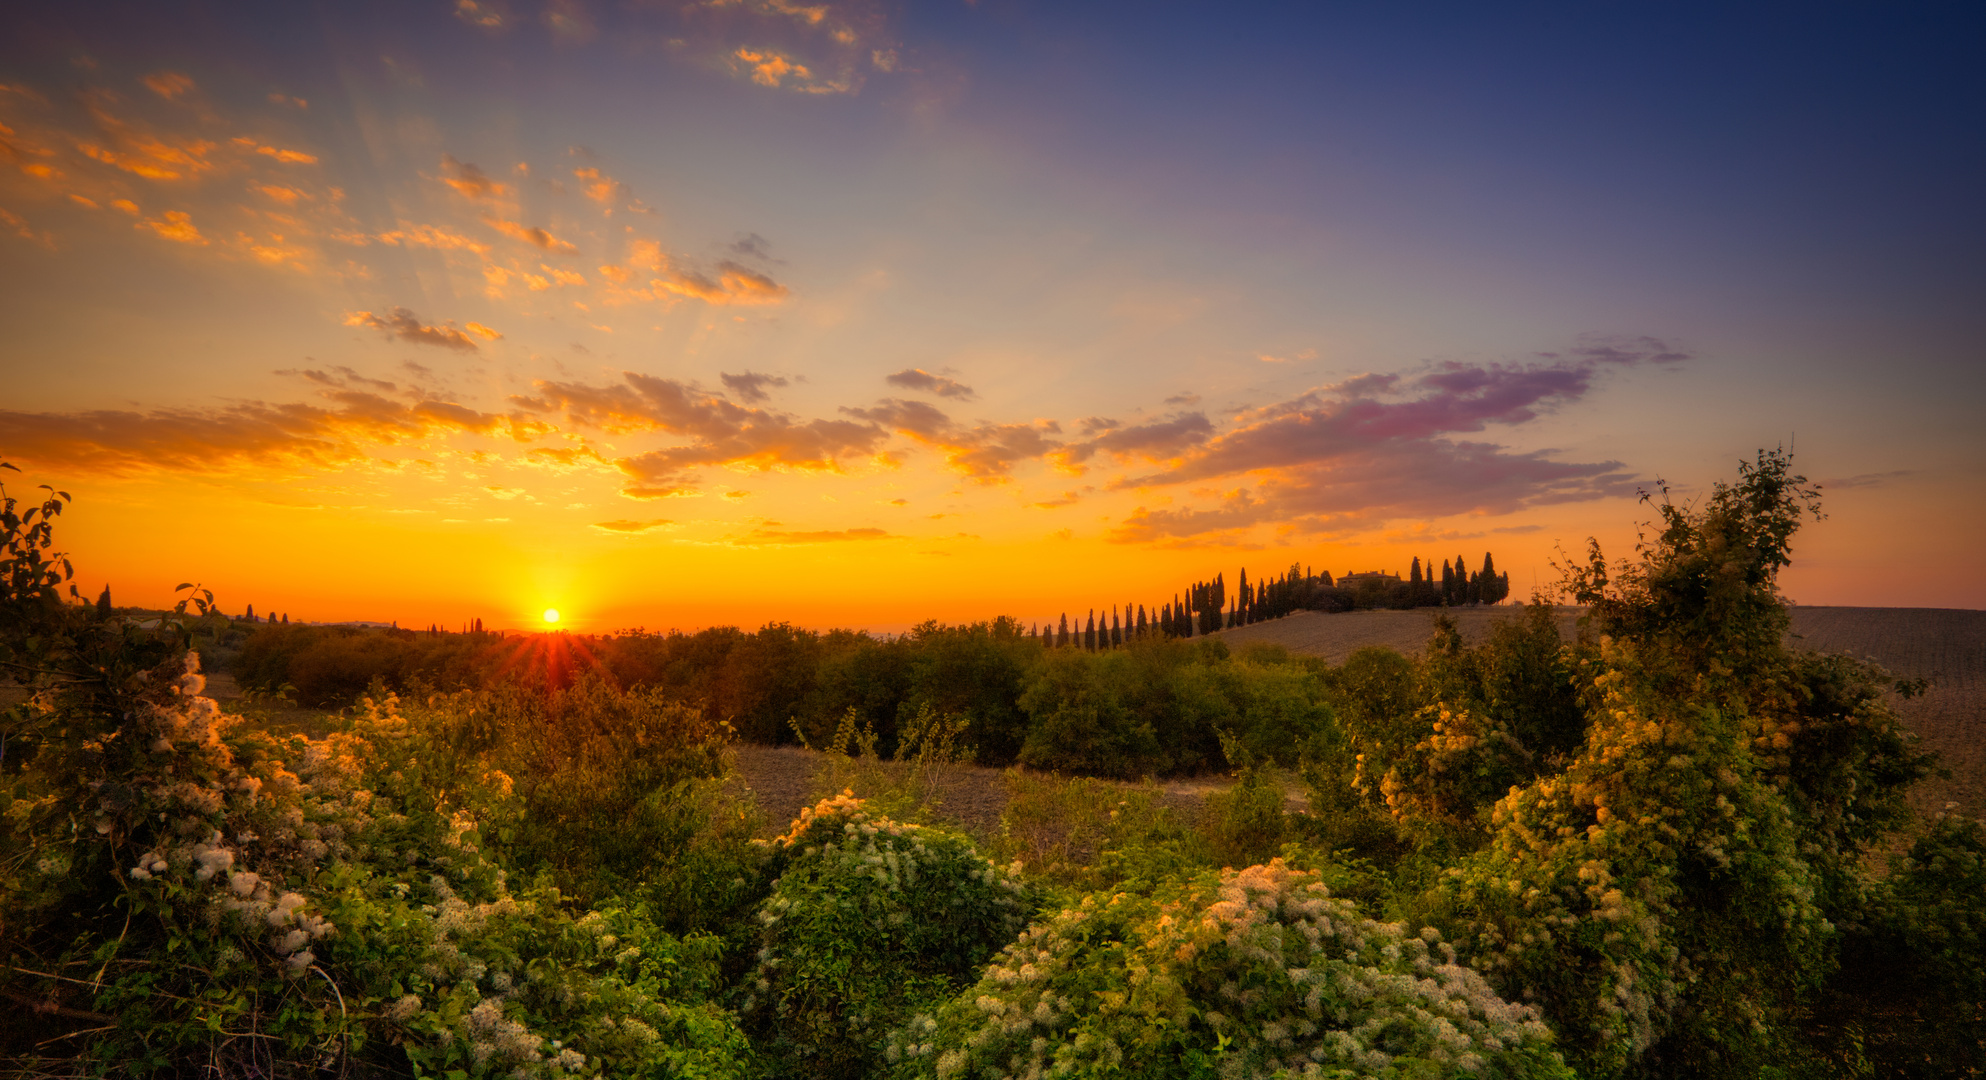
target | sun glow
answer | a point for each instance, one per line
(551, 615)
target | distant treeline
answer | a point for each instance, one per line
(1207, 606)
(1158, 705)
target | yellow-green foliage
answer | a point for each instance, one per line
(868, 920)
(1251, 973)
(242, 901)
(1655, 889)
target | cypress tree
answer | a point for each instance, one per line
(1447, 582)
(1414, 574)
(249, 615)
(1242, 588)
(1062, 638)
(1116, 629)
(103, 604)
(1089, 632)
(1488, 588)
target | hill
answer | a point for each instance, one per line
(1944, 645)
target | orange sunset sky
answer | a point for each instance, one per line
(866, 314)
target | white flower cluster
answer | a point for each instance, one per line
(1262, 966)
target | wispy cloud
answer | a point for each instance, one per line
(406, 326)
(625, 527)
(168, 84)
(940, 385)
(750, 385)
(531, 234)
(471, 182)
(773, 537)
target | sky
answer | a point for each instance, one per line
(861, 314)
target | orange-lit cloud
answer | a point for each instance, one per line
(485, 15)
(987, 452)
(720, 432)
(403, 324)
(599, 187)
(734, 284)
(220, 441)
(169, 84)
(154, 158)
(175, 225)
(625, 527)
(471, 182)
(287, 157)
(531, 235)
(430, 236)
(769, 68)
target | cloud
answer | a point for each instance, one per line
(429, 236)
(768, 67)
(771, 537)
(487, 16)
(569, 19)
(406, 326)
(1301, 354)
(986, 452)
(1861, 480)
(168, 84)
(750, 386)
(471, 182)
(599, 187)
(223, 441)
(919, 379)
(752, 246)
(20, 227)
(1187, 398)
(718, 431)
(285, 99)
(1382, 445)
(286, 157)
(176, 225)
(565, 458)
(735, 284)
(1159, 440)
(531, 235)
(626, 527)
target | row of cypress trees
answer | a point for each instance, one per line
(1207, 606)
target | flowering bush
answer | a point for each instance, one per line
(1655, 888)
(244, 901)
(1252, 973)
(869, 920)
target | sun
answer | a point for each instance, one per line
(551, 615)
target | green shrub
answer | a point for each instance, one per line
(1251, 973)
(1653, 893)
(868, 921)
